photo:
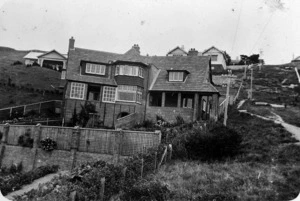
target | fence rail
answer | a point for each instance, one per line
(52, 107)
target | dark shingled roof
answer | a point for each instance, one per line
(197, 79)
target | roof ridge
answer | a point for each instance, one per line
(97, 51)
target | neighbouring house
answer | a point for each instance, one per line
(177, 51)
(218, 59)
(129, 88)
(52, 59)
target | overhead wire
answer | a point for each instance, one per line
(237, 26)
(261, 33)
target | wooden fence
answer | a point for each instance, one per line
(101, 141)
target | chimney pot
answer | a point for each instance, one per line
(193, 52)
(71, 43)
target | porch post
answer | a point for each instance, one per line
(179, 100)
(196, 106)
(64, 65)
(163, 99)
(215, 107)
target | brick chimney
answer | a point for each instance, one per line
(136, 47)
(71, 43)
(193, 52)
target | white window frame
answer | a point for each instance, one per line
(176, 76)
(77, 90)
(107, 97)
(97, 69)
(129, 70)
(135, 90)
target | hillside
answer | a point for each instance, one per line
(26, 84)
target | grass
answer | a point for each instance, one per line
(267, 168)
(27, 80)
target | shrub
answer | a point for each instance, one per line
(35, 64)
(217, 144)
(17, 63)
(25, 140)
(48, 144)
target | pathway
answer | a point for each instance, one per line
(34, 185)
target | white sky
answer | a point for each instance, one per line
(156, 25)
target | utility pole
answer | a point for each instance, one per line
(227, 102)
(251, 84)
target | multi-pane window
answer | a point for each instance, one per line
(109, 94)
(176, 76)
(129, 70)
(95, 69)
(77, 90)
(129, 93)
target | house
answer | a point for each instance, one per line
(177, 51)
(218, 59)
(52, 59)
(130, 88)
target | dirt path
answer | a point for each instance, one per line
(277, 119)
(34, 185)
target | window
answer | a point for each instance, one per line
(63, 75)
(109, 94)
(214, 57)
(129, 93)
(77, 90)
(93, 93)
(95, 69)
(155, 99)
(171, 99)
(176, 76)
(129, 70)
(187, 100)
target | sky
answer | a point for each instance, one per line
(270, 28)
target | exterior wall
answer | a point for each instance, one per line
(220, 60)
(29, 61)
(169, 113)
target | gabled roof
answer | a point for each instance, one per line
(198, 68)
(177, 48)
(296, 59)
(212, 47)
(32, 55)
(63, 56)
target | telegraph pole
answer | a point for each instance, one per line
(251, 84)
(227, 102)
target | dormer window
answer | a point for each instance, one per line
(176, 76)
(97, 69)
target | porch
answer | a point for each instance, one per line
(191, 106)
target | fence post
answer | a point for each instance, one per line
(37, 135)
(4, 142)
(36, 139)
(5, 134)
(102, 189)
(171, 150)
(74, 144)
(155, 160)
(158, 133)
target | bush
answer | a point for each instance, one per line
(17, 63)
(217, 144)
(10, 184)
(48, 144)
(25, 140)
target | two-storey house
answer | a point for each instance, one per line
(130, 88)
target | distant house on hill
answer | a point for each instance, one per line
(129, 88)
(177, 51)
(218, 59)
(52, 59)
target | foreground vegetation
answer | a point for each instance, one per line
(251, 159)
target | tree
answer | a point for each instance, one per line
(247, 60)
(227, 58)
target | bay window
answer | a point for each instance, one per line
(129, 70)
(129, 93)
